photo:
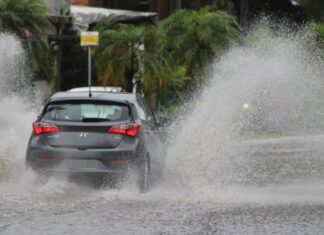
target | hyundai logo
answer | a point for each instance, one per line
(83, 135)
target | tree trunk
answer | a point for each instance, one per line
(244, 9)
(163, 8)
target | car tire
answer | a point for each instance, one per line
(144, 175)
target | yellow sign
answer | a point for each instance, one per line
(89, 38)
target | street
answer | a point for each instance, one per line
(274, 186)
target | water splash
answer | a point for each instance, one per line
(17, 109)
(270, 86)
(15, 74)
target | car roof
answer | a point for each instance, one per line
(100, 95)
(98, 88)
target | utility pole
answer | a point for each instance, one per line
(89, 39)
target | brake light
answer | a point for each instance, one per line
(44, 127)
(130, 129)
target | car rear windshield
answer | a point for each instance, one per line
(86, 111)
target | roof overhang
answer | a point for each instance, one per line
(83, 16)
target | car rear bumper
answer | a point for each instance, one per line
(85, 171)
(93, 161)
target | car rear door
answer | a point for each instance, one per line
(151, 128)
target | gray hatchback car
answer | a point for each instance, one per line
(101, 135)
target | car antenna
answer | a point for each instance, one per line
(90, 94)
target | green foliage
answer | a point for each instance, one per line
(174, 57)
(28, 20)
(318, 30)
(194, 38)
(128, 52)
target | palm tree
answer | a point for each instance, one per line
(28, 20)
(194, 38)
(130, 54)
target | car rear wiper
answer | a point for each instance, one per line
(95, 120)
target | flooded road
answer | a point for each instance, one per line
(282, 194)
(186, 219)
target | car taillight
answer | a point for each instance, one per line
(46, 158)
(44, 127)
(130, 129)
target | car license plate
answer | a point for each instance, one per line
(80, 164)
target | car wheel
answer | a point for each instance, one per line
(144, 175)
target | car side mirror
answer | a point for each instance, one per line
(165, 122)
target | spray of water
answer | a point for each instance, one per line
(16, 107)
(19, 106)
(270, 86)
